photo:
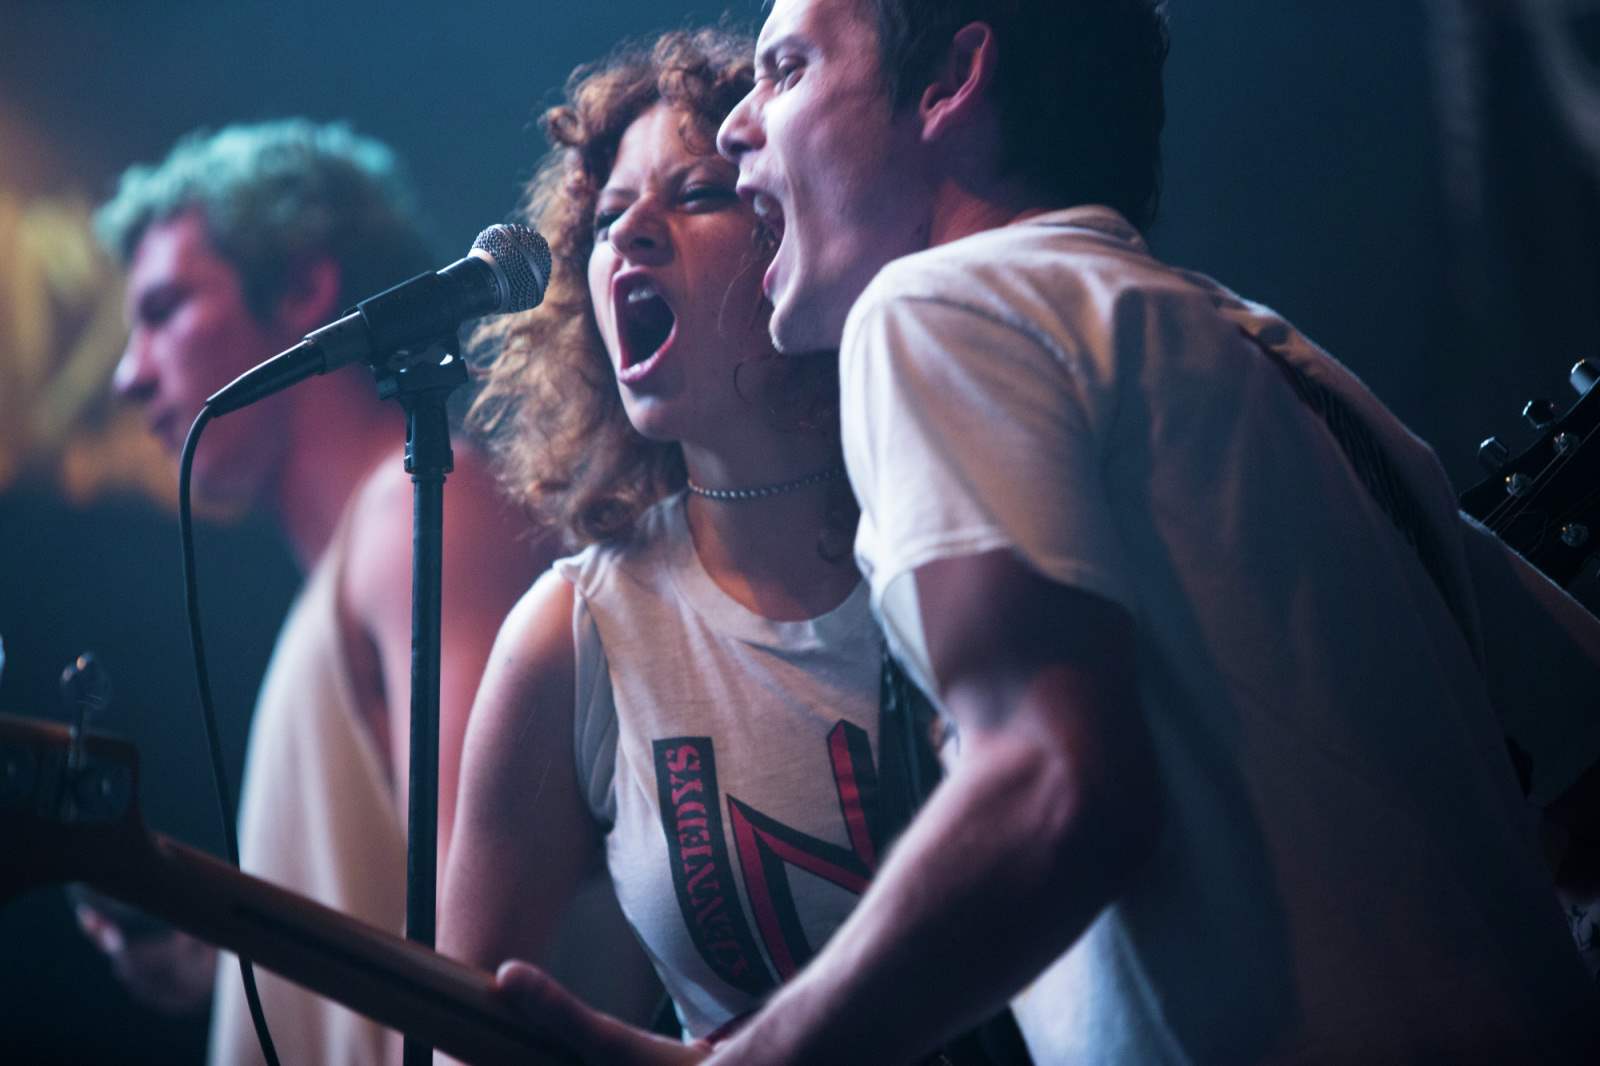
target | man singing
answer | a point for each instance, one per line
(237, 245)
(1230, 678)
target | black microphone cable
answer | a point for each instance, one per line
(507, 270)
(219, 772)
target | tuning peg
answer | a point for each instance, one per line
(85, 685)
(85, 690)
(1539, 413)
(1492, 453)
(1574, 534)
(1583, 376)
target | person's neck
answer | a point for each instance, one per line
(768, 552)
(337, 438)
(961, 209)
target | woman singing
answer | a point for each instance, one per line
(693, 698)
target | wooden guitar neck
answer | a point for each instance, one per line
(69, 812)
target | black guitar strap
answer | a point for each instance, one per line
(908, 771)
(1389, 490)
(1376, 471)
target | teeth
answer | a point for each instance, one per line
(642, 293)
(766, 208)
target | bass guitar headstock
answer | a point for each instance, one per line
(69, 811)
(68, 804)
(1545, 502)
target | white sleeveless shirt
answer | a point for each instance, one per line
(316, 815)
(731, 759)
(319, 816)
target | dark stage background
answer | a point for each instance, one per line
(1393, 175)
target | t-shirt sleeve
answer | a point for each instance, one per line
(1541, 652)
(964, 434)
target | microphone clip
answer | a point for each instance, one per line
(423, 390)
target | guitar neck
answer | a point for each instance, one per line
(391, 980)
(69, 811)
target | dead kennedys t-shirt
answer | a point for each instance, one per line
(734, 762)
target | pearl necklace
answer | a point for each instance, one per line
(763, 491)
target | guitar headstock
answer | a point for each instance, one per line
(1545, 502)
(69, 812)
(68, 804)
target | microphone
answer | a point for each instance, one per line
(506, 270)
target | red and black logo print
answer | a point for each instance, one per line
(702, 870)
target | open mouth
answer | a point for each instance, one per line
(769, 221)
(769, 236)
(645, 321)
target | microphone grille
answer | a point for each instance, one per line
(523, 258)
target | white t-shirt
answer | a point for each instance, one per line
(1347, 871)
(733, 761)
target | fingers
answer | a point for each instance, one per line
(594, 1036)
(102, 932)
(551, 1007)
(167, 970)
(173, 973)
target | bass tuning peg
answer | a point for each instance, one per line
(1493, 453)
(85, 690)
(85, 685)
(1583, 376)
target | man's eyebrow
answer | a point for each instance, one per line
(766, 52)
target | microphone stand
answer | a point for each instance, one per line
(424, 390)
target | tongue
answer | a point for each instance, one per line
(649, 323)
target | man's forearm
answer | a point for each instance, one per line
(1010, 861)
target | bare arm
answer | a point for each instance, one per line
(524, 833)
(524, 836)
(1053, 806)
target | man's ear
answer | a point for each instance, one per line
(961, 84)
(311, 295)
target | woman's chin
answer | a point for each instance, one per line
(655, 421)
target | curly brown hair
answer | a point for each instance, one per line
(549, 404)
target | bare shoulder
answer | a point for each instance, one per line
(523, 711)
(533, 657)
(381, 508)
(513, 863)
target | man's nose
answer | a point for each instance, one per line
(741, 130)
(134, 377)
